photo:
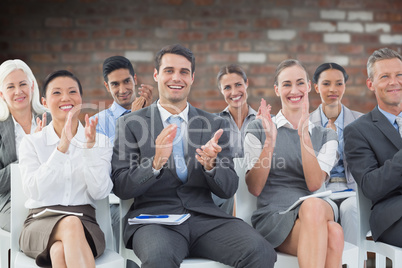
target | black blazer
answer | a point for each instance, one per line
(373, 148)
(132, 174)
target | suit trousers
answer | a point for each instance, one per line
(230, 241)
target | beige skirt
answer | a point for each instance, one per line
(34, 239)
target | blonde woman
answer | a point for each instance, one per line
(20, 115)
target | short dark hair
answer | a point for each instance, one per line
(59, 73)
(114, 63)
(178, 50)
(230, 69)
(327, 66)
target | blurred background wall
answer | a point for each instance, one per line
(258, 34)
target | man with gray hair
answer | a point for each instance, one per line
(373, 147)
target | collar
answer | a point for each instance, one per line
(391, 117)
(251, 111)
(117, 110)
(165, 114)
(16, 124)
(52, 138)
(281, 121)
(339, 122)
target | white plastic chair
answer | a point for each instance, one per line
(109, 259)
(380, 249)
(128, 254)
(4, 247)
(246, 203)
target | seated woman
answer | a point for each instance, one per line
(330, 82)
(286, 162)
(233, 83)
(64, 167)
(20, 114)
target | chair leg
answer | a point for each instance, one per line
(380, 261)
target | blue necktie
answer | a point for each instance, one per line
(178, 151)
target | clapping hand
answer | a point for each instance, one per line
(264, 113)
(302, 127)
(40, 123)
(164, 146)
(144, 99)
(66, 134)
(90, 131)
(207, 154)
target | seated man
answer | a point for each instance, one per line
(373, 147)
(149, 164)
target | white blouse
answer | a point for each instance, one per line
(78, 177)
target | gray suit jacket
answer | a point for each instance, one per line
(348, 117)
(8, 155)
(374, 151)
(133, 177)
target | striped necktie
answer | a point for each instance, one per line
(398, 120)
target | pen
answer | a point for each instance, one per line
(152, 217)
(347, 190)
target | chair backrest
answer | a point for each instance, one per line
(364, 209)
(18, 210)
(246, 203)
(104, 221)
(19, 213)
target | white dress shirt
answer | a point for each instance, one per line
(20, 133)
(77, 177)
(326, 158)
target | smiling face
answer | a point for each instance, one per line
(292, 87)
(234, 89)
(62, 96)
(121, 85)
(17, 91)
(387, 84)
(174, 80)
(331, 87)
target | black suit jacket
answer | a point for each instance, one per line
(373, 148)
(133, 177)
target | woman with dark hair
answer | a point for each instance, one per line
(233, 83)
(20, 115)
(330, 82)
(291, 158)
(65, 167)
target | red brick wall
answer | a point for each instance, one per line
(79, 34)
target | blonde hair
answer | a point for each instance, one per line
(5, 69)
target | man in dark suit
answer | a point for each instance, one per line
(147, 167)
(373, 147)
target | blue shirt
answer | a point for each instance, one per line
(107, 120)
(391, 118)
(338, 170)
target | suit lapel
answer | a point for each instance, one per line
(382, 123)
(349, 117)
(195, 130)
(154, 122)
